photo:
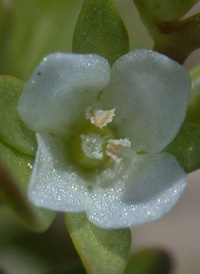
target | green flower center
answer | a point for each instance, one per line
(93, 146)
(87, 147)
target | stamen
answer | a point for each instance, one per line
(100, 118)
(92, 145)
(114, 147)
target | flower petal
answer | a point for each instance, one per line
(53, 183)
(150, 93)
(148, 189)
(61, 88)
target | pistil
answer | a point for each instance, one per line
(92, 145)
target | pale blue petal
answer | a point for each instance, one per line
(60, 90)
(150, 93)
(148, 188)
(54, 183)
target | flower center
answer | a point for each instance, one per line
(93, 145)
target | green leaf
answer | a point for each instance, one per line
(150, 261)
(193, 114)
(169, 10)
(100, 30)
(13, 187)
(12, 130)
(186, 147)
(34, 29)
(17, 147)
(102, 251)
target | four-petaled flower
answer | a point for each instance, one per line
(101, 133)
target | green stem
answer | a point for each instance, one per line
(177, 39)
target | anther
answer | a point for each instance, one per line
(114, 147)
(100, 118)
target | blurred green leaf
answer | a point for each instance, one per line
(14, 175)
(186, 147)
(49, 252)
(6, 12)
(168, 10)
(12, 130)
(150, 261)
(34, 29)
(193, 114)
(100, 30)
(70, 269)
(102, 251)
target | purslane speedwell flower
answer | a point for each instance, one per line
(101, 133)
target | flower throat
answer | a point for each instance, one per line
(93, 145)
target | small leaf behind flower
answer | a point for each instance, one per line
(186, 147)
(102, 251)
(150, 261)
(12, 130)
(17, 147)
(193, 114)
(100, 30)
(13, 186)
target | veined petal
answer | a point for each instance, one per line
(60, 89)
(150, 93)
(149, 187)
(53, 183)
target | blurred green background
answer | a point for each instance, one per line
(30, 29)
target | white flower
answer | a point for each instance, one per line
(101, 133)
